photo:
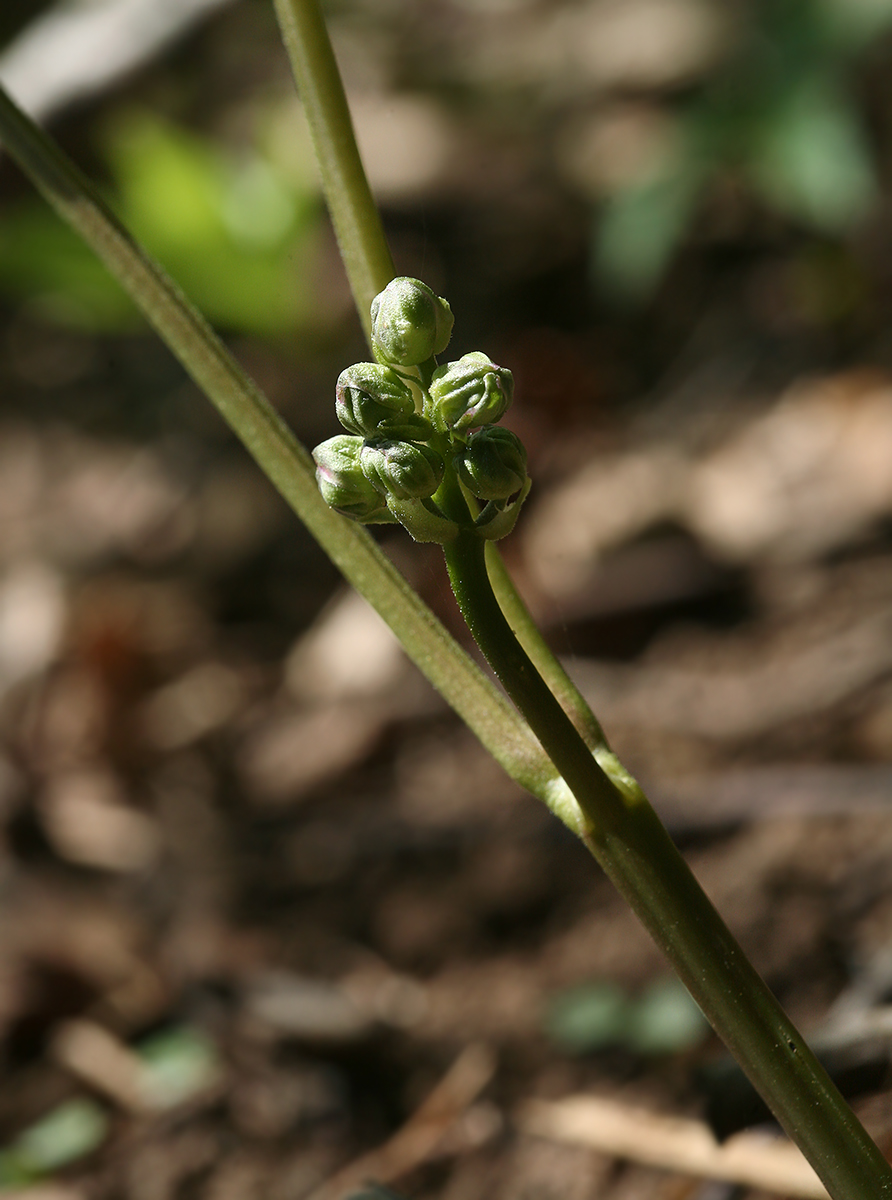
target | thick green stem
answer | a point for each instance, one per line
(354, 213)
(634, 849)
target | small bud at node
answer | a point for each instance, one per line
(404, 470)
(472, 391)
(372, 401)
(409, 323)
(493, 464)
(343, 485)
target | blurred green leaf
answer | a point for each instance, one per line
(177, 1064)
(810, 158)
(588, 1017)
(230, 233)
(778, 117)
(641, 226)
(594, 1016)
(43, 260)
(853, 24)
(665, 1020)
(66, 1134)
(236, 234)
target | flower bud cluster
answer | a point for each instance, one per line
(411, 423)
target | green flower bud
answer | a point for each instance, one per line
(343, 485)
(404, 470)
(493, 464)
(472, 391)
(409, 323)
(373, 401)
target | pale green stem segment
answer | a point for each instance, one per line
(561, 685)
(530, 637)
(285, 461)
(354, 213)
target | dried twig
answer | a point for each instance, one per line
(422, 1133)
(673, 1144)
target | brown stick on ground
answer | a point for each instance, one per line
(419, 1137)
(673, 1144)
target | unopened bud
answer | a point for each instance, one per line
(342, 483)
(472, 391)
(409, 323)
(404, 470)
(493, 464)
(372, 401)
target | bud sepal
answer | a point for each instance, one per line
(499, 517)
(423, 520)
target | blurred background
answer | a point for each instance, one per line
(261, 894)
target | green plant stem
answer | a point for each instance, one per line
(369, 266)
(530, 637)
(354, 213)
(635, 851)
(285, 461)
(622, 833)
(628, 839)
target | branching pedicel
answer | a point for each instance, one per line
(422, 447)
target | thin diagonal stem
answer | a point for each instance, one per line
(354, 213)
(283, 459)
(530, 637)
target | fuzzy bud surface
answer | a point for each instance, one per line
(409, 323)
(472, 391)
(403, 470)
(342, 483)
(493, 464)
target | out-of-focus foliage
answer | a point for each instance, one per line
(659, 112)
(170, 1067)
(236, 232)
(176, 1064)
(66, 1134)
(593, 1016)
(778, 116)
